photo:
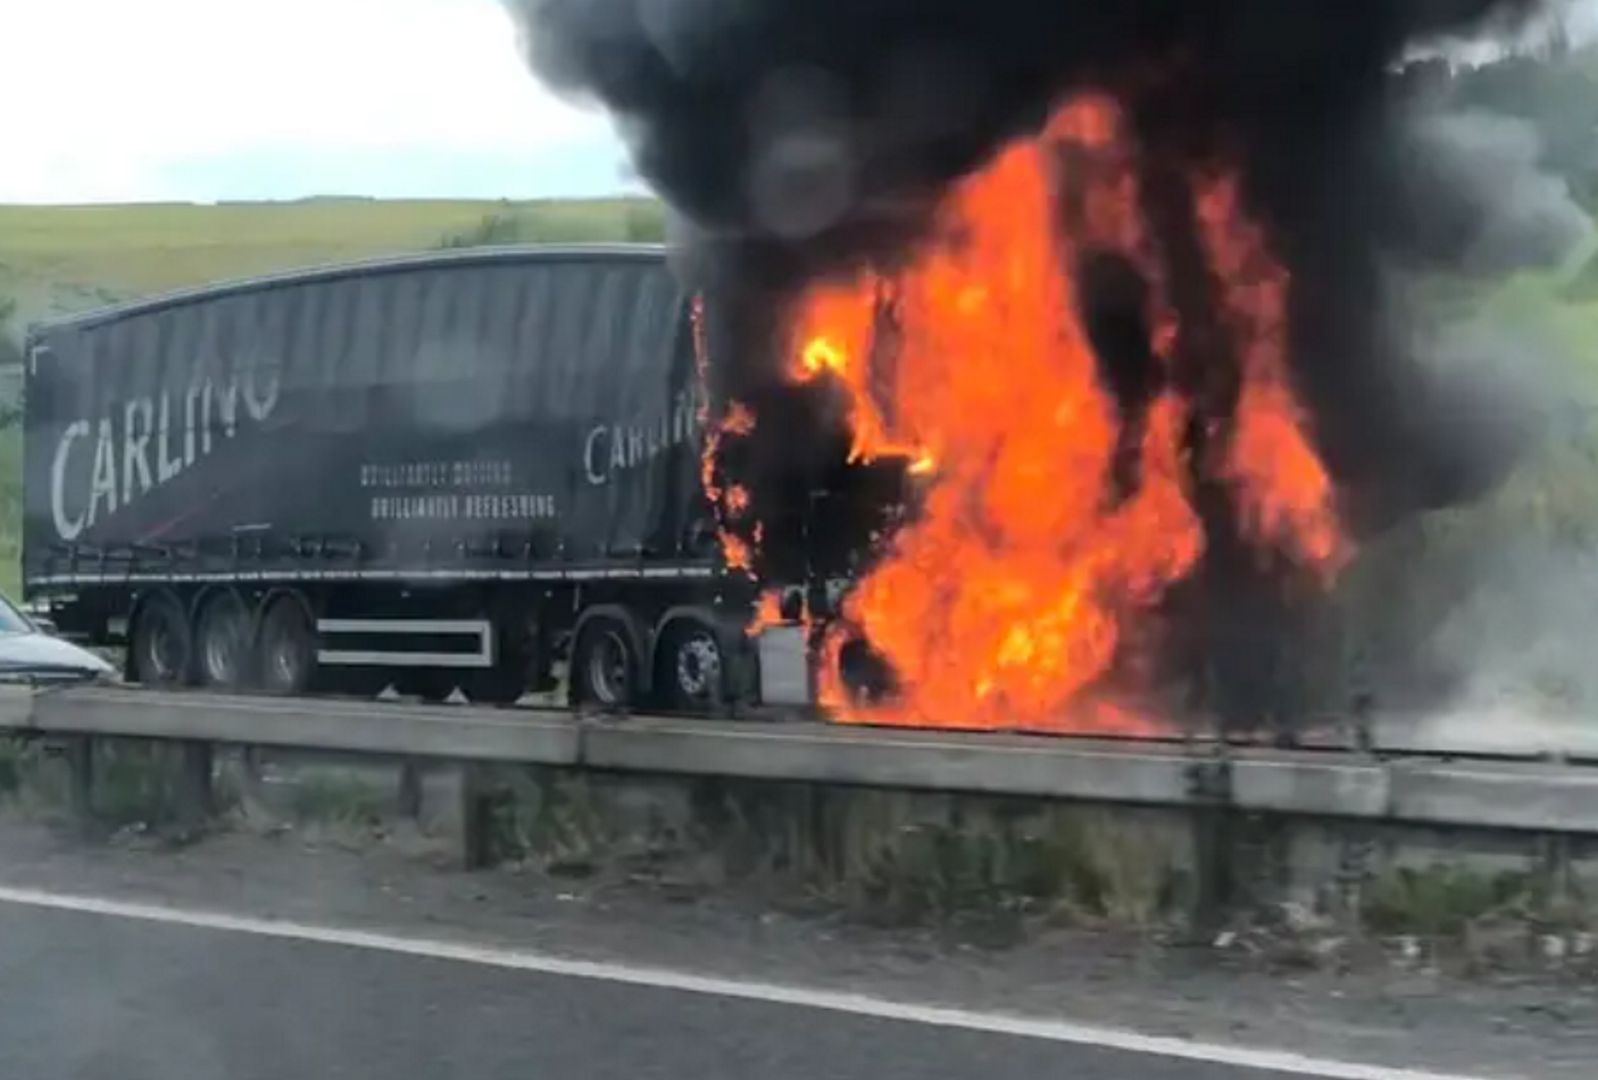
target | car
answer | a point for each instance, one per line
(31, 652)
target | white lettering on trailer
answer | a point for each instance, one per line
(595, 475)
(189, 400)
(103, 479)
(66, 527)
(138, 419)
(205, 417)
(227, 404)
(258, 401)
(614, 448)
(207, 409)
(618, 450)
(166, 466)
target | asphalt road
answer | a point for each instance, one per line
(86, 995)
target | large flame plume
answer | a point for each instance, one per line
(1054, 515)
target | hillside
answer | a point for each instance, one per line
(59, 259)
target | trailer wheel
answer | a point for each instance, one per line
(222, 640)
(692, 668)
(286, 647)
(604, 666)
(162, 645)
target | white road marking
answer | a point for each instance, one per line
(1281, 1061)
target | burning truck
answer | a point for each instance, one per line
(462, 470)
(1023, 367)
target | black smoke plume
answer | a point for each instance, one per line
(800, 134)
(797, 136)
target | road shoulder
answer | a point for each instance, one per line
(1100, 978)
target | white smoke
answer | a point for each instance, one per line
(1557, 24)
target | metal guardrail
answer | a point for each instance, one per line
(308, 723)
(1416, 787)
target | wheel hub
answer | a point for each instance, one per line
(698, 665)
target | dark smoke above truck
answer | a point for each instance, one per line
(438, 471)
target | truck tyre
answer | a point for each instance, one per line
(604, 665)
(692, 672)
(162, 645)
(285, 647)
(223, 641)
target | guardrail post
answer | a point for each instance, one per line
(195, 802)
(1210, 782)
(410, 789)
(1356, 858)
(477, 809)
(456, 804)
(1357, 848)
(1559, 884)
(79, 754)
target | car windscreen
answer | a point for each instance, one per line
(13, 621)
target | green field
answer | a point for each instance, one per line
(55, 260)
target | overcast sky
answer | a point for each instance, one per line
(113, 100)
(116, 100)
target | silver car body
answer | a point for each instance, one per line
(28, 653)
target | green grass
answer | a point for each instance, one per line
(335, 799)
(56, 259)
(1441, 901)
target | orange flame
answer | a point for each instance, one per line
(843, 319)
(736, 552)
(1284, 494)
(738, 421)
(768, 612)
(1007, 598)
